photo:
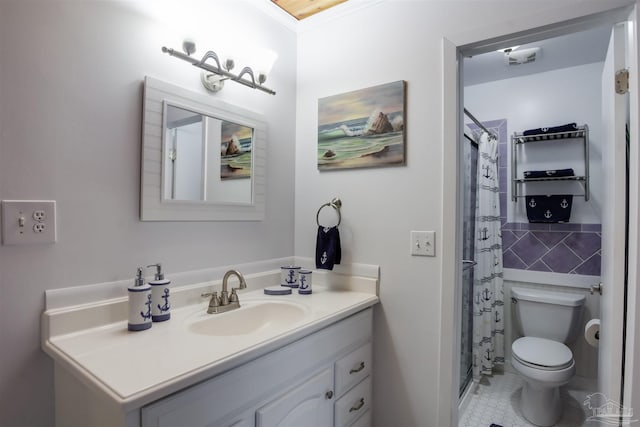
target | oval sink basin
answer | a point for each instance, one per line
(251, 317)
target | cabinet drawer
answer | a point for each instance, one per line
(363, 421)
(352, 368)
(353, 404)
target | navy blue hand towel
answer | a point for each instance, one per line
(554, 129)
(549, 209)
(549, 173)
(328, 250)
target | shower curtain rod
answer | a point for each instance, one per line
(480, 125)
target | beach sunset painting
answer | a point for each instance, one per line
(363, 128)
(235, 151)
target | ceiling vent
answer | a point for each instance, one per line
(524, 56)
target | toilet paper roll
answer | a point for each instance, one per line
(592, 332)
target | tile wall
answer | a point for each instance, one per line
(559, 248)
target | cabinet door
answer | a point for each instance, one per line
(310, 405)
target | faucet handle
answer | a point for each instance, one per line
(214, 301)
(234, 296)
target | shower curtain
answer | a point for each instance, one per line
(488, 290)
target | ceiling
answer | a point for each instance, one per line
(301, 9)
(580, 48)
(570, 50)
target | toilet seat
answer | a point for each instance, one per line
(541, 353)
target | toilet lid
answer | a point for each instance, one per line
(542, 352)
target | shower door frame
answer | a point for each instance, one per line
(564, 20)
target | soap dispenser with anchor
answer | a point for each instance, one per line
(160, 306)
(139, 304)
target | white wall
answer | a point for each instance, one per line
(70, 97)
(549, 99)
(71, 77)
(383, 43)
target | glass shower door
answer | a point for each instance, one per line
(470, 166)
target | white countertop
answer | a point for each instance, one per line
(135, 368)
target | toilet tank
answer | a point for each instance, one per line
(547, 314)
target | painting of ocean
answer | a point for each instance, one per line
(362, 128)
(235, 151)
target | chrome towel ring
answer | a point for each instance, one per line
(336, 204)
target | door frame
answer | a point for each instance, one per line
(551, 23)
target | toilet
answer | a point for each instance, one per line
(546, 320)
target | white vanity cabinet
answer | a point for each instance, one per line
(320, 380)
(310, 404)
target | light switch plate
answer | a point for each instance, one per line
(423, 243)
(26, 222)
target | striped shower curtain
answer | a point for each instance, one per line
(488, 290)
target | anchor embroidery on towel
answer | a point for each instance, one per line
(548, 214)
(532, 203)
(564, 204)
(324, 258)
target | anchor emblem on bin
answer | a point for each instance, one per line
(548, 214)
(532, 203)
(291, 279)
(564, 204)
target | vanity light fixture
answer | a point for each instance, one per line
(214, 74)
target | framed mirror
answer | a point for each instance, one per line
(202, 159)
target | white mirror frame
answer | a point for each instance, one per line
(152, 205)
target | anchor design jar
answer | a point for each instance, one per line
(289, 276)
(304, 279)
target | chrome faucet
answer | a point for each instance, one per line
(226, 302)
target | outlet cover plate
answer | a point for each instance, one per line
(20, 226)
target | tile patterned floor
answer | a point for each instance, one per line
(497, 400)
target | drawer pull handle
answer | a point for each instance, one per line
(358, 369)
(329, 394)
(358, 405)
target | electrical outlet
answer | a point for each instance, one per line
(39, 215)
(28, 222)
(423, 243)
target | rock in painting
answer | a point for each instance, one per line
(380, 125)
(329, 154)
(233, 146)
